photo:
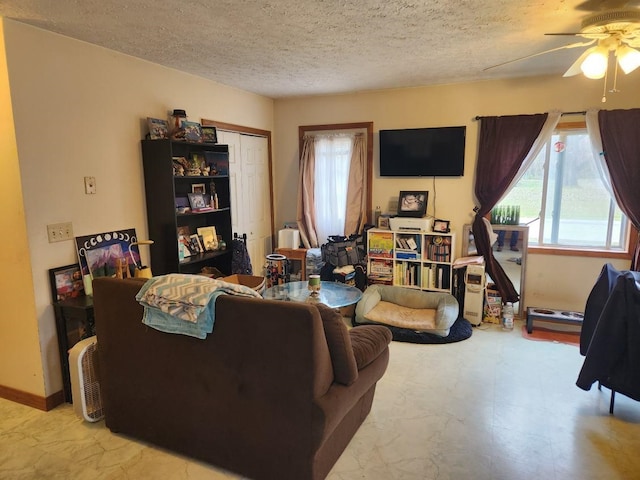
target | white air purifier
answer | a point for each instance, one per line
(289, 238)
(475, 283)
(87, 402)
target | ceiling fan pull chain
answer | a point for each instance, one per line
(604, 91)
(615, 79)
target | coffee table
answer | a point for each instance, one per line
(332, 294)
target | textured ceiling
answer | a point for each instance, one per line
(286, 48)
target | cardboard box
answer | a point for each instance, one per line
(492, 307)
(252, 281)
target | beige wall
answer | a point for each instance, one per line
(20, 365)
(80, 110)
(551, 281)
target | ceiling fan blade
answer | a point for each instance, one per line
(571, 45)
(574, 69)
(579, 34)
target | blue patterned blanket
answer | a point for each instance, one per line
(185, 304)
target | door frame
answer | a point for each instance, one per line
(230, 127)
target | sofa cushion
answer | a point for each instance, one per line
(345, 370)
(368, 342)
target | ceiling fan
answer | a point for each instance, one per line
(612, 27)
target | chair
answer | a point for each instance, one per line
(610, 336)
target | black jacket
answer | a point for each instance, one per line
(612, 337)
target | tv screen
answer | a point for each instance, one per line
(422, 152)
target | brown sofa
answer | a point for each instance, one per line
(277, 391)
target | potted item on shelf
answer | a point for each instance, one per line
(195, 165)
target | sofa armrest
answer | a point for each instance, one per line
(368, 342)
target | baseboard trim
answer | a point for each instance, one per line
(32, 400)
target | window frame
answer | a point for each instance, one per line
(632, 233)
(348, 127)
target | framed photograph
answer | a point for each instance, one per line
(209, 134)
(197, 201)
(209, 238)
(198, 188)
(383, 222)
(195, 245)
(217, 162)
(158, 128)
(192, 131)
(66, 282)
(412, 203)
(441, 226)
(100, 254)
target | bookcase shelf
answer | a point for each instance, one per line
(165, 192)
(420, 260)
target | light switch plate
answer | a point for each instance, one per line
(59, 232)
(90, 185)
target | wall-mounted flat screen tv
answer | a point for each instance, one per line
(422, 152)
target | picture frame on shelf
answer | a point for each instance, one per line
(209, 134)
(218, 162)
(383, 222)
(441, 226)
(198, 188)
(209, 238)
(412, 203)
(197, 201)
(195, 245)
(192, 131)
(66, 282)
(158, 128)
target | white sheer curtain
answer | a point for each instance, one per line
(545, 135)
(593, 130)
(333, 158)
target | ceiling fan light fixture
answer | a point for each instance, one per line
(628, 58)
(595, 65)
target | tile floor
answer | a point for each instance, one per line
(495, 406)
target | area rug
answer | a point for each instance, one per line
(548, 335)
(460, 330)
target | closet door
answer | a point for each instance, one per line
(249, 180)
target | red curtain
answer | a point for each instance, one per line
(503, 145)
(620, 132)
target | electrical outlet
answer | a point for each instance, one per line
(59, 232)
(89, 185)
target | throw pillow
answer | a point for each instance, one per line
(345, 370)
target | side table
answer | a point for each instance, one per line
(297, 255)
(74, 322)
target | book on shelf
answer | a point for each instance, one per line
(407, 274)
(407, 255)
(381, 268)
(381, 244)
(436, 277)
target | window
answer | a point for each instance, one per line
(333, 158)
(336, 163)
(563, 199)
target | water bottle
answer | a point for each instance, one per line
(507, 316)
